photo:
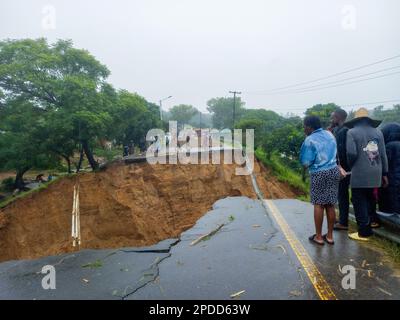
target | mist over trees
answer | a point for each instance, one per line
(56, 107)
(389, 115)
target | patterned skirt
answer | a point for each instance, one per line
(324, 186)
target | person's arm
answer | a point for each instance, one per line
(389, 155)
(351, 149)
(385, 166)
(307, 154)
(341, 147)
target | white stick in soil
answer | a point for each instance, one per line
(73, 232)
(78, 215)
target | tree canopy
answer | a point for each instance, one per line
(55, 101)
(388, 115)
(323, 111)
(182, 113)
(222, 111)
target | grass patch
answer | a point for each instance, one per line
(305, 198)
(7, 185)
(284, 174)
(93, 265)
(388, 248)
(23, 194)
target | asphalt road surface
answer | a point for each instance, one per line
(261, 252)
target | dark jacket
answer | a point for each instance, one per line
(366, 156)
(340, 134)
(389, 200)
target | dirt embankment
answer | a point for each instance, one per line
(125, 205)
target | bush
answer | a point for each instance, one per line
(283, 172)
(7, 184)
(108, 155)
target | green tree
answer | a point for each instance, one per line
(62, 79)
(285, 140)
(222, 111)
(323, 111)
(201, 120)
(257, 125)
(21, 146)
(388, 115)
(267, 116)
(133, 117)
(182, 113)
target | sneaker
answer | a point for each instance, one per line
(375, 225)
(355, 236)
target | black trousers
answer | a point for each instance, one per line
(363, 203)
(344, 201)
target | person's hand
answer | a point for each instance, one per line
(385, 181)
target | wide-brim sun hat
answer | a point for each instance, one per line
(360, 115)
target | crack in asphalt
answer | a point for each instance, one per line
(152, 250)
(260, 196)
(154, 267)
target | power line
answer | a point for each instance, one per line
(369, 103)
(318, 87)
(337, 81)
(350, 82)
(329, 76)
(342, 105)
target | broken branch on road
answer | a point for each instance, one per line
(211, 233)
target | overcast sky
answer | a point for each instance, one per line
(198, 49)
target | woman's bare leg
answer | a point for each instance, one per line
(331, 217)
(318, 220)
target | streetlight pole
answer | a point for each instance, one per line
(161, 106)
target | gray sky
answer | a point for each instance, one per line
(199, 49)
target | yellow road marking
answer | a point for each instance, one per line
(322, 287)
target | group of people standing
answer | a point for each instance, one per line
(357, 156)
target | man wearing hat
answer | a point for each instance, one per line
(366, 156)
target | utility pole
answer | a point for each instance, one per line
(234, 106)
(160, 102)
(200, 118)
(161, 110)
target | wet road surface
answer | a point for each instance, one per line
(249, 254)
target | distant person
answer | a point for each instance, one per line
(50, 177)
(318, 154)
(338, 118)
(366, 157)
(157, 144)
(389, 198)
(126, 151)
(40, 178)
(142, 144)
(131, 149)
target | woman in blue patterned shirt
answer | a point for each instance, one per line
(318, 154)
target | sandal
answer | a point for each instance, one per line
(331, 242)
(312, 239)
(375, 225)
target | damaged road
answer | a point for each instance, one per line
(235, 251)
(226, 262)
(242, 260)
(87, 274)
